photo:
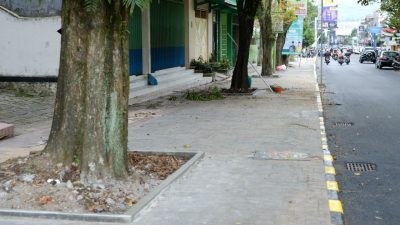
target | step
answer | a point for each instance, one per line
(162, 79)
(147, 89)
(140, 81)
(158, 91)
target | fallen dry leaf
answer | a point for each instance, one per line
(130, 202)
(45, 200)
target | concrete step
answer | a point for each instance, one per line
(161, 76)
(167, 88)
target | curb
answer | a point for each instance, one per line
(335, 205)
(127, 217)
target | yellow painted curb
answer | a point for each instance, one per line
(328, 158)
(332, 185)
(325, 147)
(330, 170)
(335, 206)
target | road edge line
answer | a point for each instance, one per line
(332, 187)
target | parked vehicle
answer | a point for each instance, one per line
(368, 56)
(396, 63)
(386, 59)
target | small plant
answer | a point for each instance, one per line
(172, 98)
(213, 93)
(224, 64)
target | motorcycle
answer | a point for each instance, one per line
(347, 58)
(335, 57)
(341, 60)
(327, 60)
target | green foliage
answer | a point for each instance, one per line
(354, 32)
(213, 93)
(172, 98)
(309, 31)
(91, 5)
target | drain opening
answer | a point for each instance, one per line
(333, 104)
(360, 167)
(343, 124)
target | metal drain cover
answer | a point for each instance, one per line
(343, 124)
(360, 167)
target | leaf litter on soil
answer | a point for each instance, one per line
(34, 183)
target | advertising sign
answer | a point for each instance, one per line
(330, 2)
(294, 38)
(299, 5)
(329, 14)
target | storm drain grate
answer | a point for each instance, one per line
(331, 104)
(360, 167)
(343, 124)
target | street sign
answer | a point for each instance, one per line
(375, 30)
(277, 22)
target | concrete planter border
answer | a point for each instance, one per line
(116, 218)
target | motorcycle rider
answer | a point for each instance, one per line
(327, 56)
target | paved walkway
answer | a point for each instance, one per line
(229, 186)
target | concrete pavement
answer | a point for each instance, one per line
(230, 186)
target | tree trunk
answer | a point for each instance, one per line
(267, 36)
(246, 13)
(91, 108)
(280, 42)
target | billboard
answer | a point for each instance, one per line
(294, 38)
(329, 14)
(329, 2)
(299, 5)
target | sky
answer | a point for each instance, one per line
(350, 13)
(350, 10)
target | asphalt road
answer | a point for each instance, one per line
(369, 98)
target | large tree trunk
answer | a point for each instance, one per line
(267, 36)
(247, 11)
(91, 108)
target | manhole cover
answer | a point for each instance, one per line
(360, 167)
(343, 124)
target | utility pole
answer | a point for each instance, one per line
(320, 39)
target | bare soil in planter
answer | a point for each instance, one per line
(35, 183)
(243, 92)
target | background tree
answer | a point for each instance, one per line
(264, 14)
(392, 7)
(246, 14)
(289, 17)
(91, 107)
(309, 21)
(354, 32)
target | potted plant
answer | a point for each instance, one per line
(225, 66)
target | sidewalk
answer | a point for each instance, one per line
(229, 186)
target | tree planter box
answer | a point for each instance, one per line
(6, 130)
(128, 216)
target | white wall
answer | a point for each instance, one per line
(29, 46)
